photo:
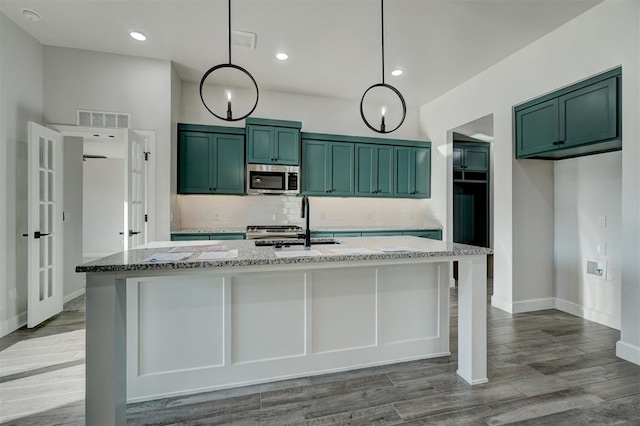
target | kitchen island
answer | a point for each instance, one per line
(252, 314)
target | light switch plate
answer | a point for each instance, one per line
(602, 248)
(602, 221)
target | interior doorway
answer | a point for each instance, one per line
(95, 196)
(472, 195)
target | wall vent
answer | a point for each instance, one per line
(244, 39)
(89, 118)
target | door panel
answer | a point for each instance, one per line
(260, 145)
(341, 166)
(194, 171)
(365, 170)
(422, 184)
(537, 128)
(315, 167)
(45, 233)
(134, 190)
(229, 164)
(589, 114)
(476, 159)
(287, 149)
(384, 175)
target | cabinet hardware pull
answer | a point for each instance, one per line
(39, 234)
(131, 233)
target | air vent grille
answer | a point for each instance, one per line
(89, 118)
(244, 39)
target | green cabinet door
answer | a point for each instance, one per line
(260, 144)
(273, 145)
(228, 174)
(458, 154)
(194, 168)
(327, 168)
(314, 167)
(434, 234)
(476, 159)
(189, 237)
(537, 128)
(210, 163)
(341, 176)
(589, 114)
(413, 172)
(287, 146)
(374, 170)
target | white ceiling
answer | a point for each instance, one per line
(334, 45)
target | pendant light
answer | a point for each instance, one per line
(228, 98)
(383, 128)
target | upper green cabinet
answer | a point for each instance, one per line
(412, 172)
(327, 168)
(471, 156)
(210, 162)
(578, 120)
(273, 141)
(374, 170)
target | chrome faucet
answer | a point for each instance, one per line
(304, 214)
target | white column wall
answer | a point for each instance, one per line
(21, 93)
(523, 190)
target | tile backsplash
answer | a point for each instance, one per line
(220, 211)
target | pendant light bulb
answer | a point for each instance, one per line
(229, 95)
(384, 110)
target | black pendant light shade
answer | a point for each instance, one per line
(382, 128)
(230, 66)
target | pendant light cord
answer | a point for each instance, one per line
(382, 15)
(229, 31)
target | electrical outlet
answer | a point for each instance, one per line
(597, 268)
(13, 293)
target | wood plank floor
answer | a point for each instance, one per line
(545, 368)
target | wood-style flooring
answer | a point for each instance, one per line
(545, 368)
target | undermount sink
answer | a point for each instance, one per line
(285, 243)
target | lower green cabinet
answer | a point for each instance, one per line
(200, 237)
(328, 168)
(434, 234)
(412, 172)
(210, 163)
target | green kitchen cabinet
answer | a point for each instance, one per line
(328, 168)
(322, 234)
(374, 170)
(434, 234)
(581, 119)
(210, 163)
(273, 144)
(471, 156)
(412, 172)
(347, 234)
(203, 236)
(381, 233)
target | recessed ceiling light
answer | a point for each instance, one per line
(396, 73)
(138, 36)
(282, 56)
(31, 15)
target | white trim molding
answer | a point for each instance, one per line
(533, 305)
(587, 313)
(12, 324)
(628, 352)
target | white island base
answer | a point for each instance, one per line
(153, 334)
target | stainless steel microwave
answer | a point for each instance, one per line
(271, 179)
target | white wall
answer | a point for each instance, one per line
(74, 283)
(21, 92)
(586, 188)
(523, 204)
(176, 106)
(317, 114)
(221, 212)
(103, 192)
(81, 79)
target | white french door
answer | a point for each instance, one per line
(134, 190)
(45, 233)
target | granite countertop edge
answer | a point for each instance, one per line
(249, 255)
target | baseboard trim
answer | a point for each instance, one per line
(73, 295)
(586, 313)
(628, 352)
(502, 305)
(12, 324)
(533, 305)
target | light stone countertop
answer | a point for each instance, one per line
(249, 254)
